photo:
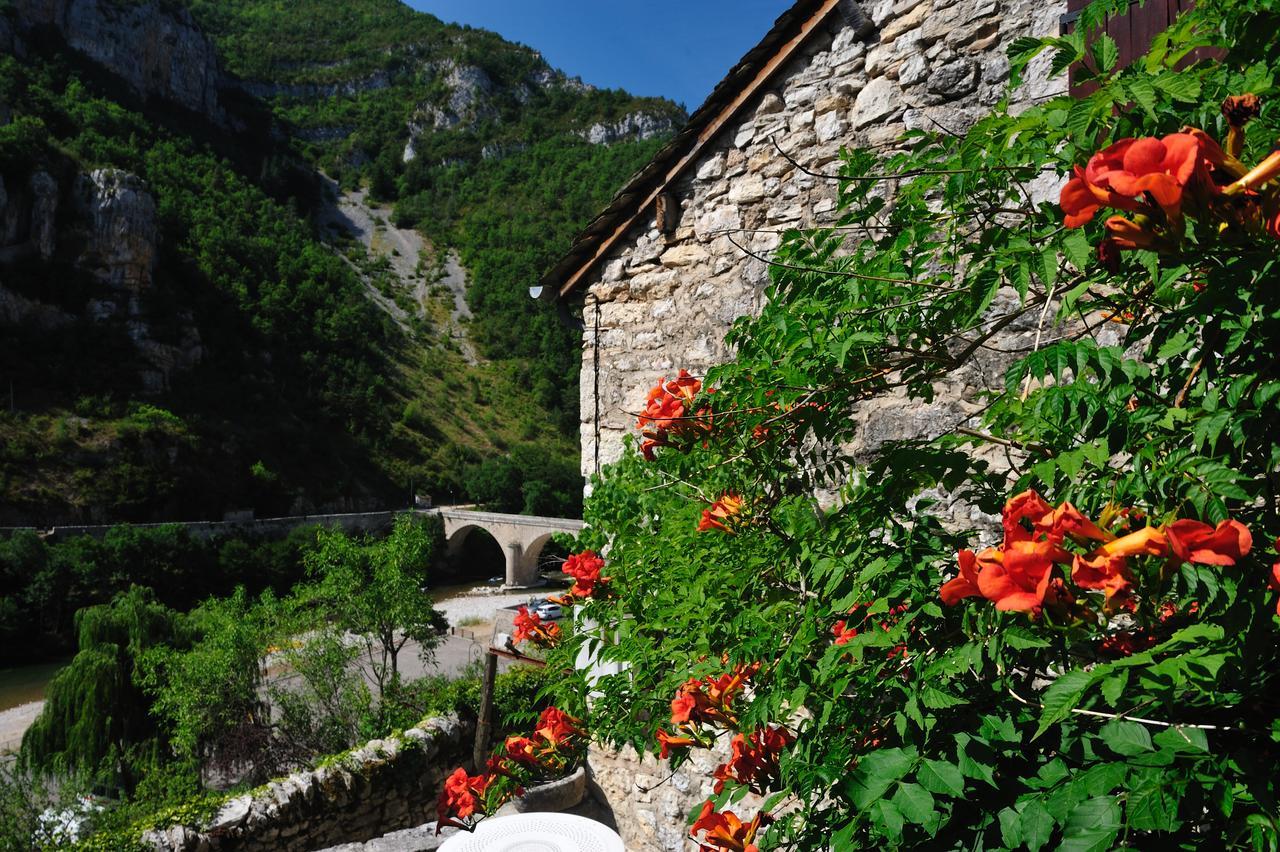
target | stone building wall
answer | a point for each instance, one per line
(383, 786)
(661, 303)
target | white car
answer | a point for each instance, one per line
(548, 611)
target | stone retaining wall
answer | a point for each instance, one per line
(384, 786)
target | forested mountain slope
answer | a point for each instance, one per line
(183, 327)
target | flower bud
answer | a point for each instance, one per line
(1109, 255)
(1240, 109)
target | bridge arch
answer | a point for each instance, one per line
(522, 538)
(475, 552)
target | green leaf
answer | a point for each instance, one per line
(914, 802)
(1151, 804)
(975, 758)
(1062, 696)
(1179, 86)
(1143, 94)
(1010, 827)
(1126, 738)
(1182, 739)
(887, 816)
(942, 778)
(1037, 825)
(1076, 246)
(936, 699)
(1091, 826)
(875, 774)
(1021, 639)
(1105, 53)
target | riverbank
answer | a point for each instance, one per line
(14, 723)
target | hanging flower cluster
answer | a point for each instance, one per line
(1022, 575)
(725, 514)
(556, 746)
(725, 832)
(701, 706)
(585, 569)
(529, 626)
(1161, 182)
(754, 759)
(668, 417)
(467, 799)
(701, 710)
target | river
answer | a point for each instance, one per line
(26, 683)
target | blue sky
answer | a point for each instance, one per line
(675, 48)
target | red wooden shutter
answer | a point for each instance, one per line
(1133, 31)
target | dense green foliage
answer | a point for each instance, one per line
(511, 218)
(45, 583)
(157, 693)
(509, 190)
(97, 720)
(376, 588)
(1146, 719)
(296, 362)
(528, 480)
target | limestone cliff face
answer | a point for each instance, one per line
(120, 227)
(104, 224)
(28, 217)
(157, 50)
(637, 125)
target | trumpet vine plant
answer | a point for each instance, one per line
(1052, 624)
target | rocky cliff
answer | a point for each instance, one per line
(156, 48)
(104, 224)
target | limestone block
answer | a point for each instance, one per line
(684, 255)
(914, 70)
(801, 120)
(847, 45)
(712, 168)
(878, 59)
(831, 126)
(986, 32)
(954, 80)
(718, 220)
(612, 271)
(903, 23)
(745, 134)
(878, 102)
(748, 189)
(800, 96)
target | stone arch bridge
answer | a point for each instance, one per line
(522, 537)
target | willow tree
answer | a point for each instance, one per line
(96, 718)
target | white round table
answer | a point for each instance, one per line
(536, 833)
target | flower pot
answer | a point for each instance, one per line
(558, 795)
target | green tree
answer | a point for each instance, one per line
(208, 693)
(96, 718)
(375, 589)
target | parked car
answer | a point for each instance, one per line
(548, 611)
